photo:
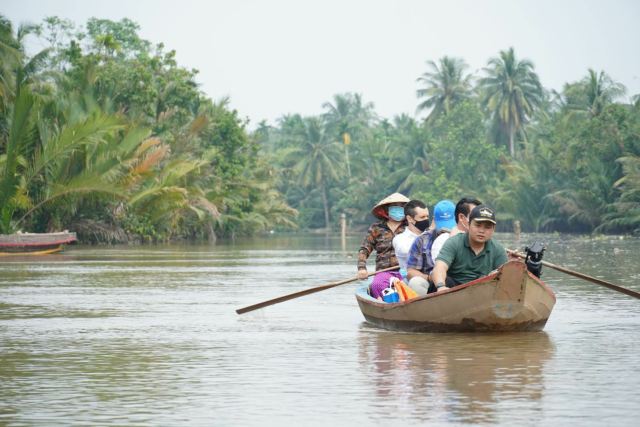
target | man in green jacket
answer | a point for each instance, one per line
(468, 256)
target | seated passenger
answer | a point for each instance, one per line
(417, 216)
(444, 218)
(463, 209)
(420, 261)
(460, 225)
(469, 256)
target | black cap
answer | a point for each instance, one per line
(482, 213)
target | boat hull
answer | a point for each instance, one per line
(34, 243)
(509, 299)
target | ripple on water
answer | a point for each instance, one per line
(150, 336)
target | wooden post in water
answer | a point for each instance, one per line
(343, 231)
(516, 229)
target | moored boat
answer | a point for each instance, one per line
(508, 299)
(35, 243)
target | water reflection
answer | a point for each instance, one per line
(455, 377)
(149, 335)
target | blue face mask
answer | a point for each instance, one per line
(396, 213)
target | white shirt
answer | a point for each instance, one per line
(438, 244)
(402, 245)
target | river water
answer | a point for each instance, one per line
(149, 336)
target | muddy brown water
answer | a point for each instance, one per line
(149, 336)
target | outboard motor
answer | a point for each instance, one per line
(533, 258)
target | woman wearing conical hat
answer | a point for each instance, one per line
(390, 212)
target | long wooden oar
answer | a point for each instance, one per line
(583, 276)
(305, 292)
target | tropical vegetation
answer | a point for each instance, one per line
(105, 134)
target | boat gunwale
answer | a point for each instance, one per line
(37, 240)
(35, 244)
(489, 277)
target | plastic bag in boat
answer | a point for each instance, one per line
(390, 295)
(404, 291)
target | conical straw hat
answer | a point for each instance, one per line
(379, 210)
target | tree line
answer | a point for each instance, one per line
(105, 134)
(555, 161)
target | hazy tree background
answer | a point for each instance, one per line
(106, 134)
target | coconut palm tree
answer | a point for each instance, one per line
(593, 93)
(348, 113)
(408, 144)
(317, 161)
(348, 118)
(445, 84)
(511, 92)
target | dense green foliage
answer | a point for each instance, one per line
(554, 161)
(105, 134)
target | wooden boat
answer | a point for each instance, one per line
(34, 243)
(508, 299)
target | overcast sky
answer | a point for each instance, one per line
(275, 57)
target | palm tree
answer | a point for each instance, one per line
(19, 138)
(409, 145)
(318, 161)
(84, 153)
(593, 93)
(19, 131)
(10, 57)
(524, 194)
(445, 84)
(511, 91)
(348, 118)
(626, 215)
(348, 113)
(16, 70)
(251, 203)
(42, 164)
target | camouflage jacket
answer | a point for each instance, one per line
(379, 239)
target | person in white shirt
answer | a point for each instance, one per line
(417, 217)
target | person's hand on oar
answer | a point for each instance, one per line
(362, 274)
(511, 255)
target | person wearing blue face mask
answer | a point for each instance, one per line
(379, 238)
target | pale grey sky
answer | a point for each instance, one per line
(290, 56)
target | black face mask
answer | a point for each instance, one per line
(422, 225)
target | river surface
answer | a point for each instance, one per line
(149, 336)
